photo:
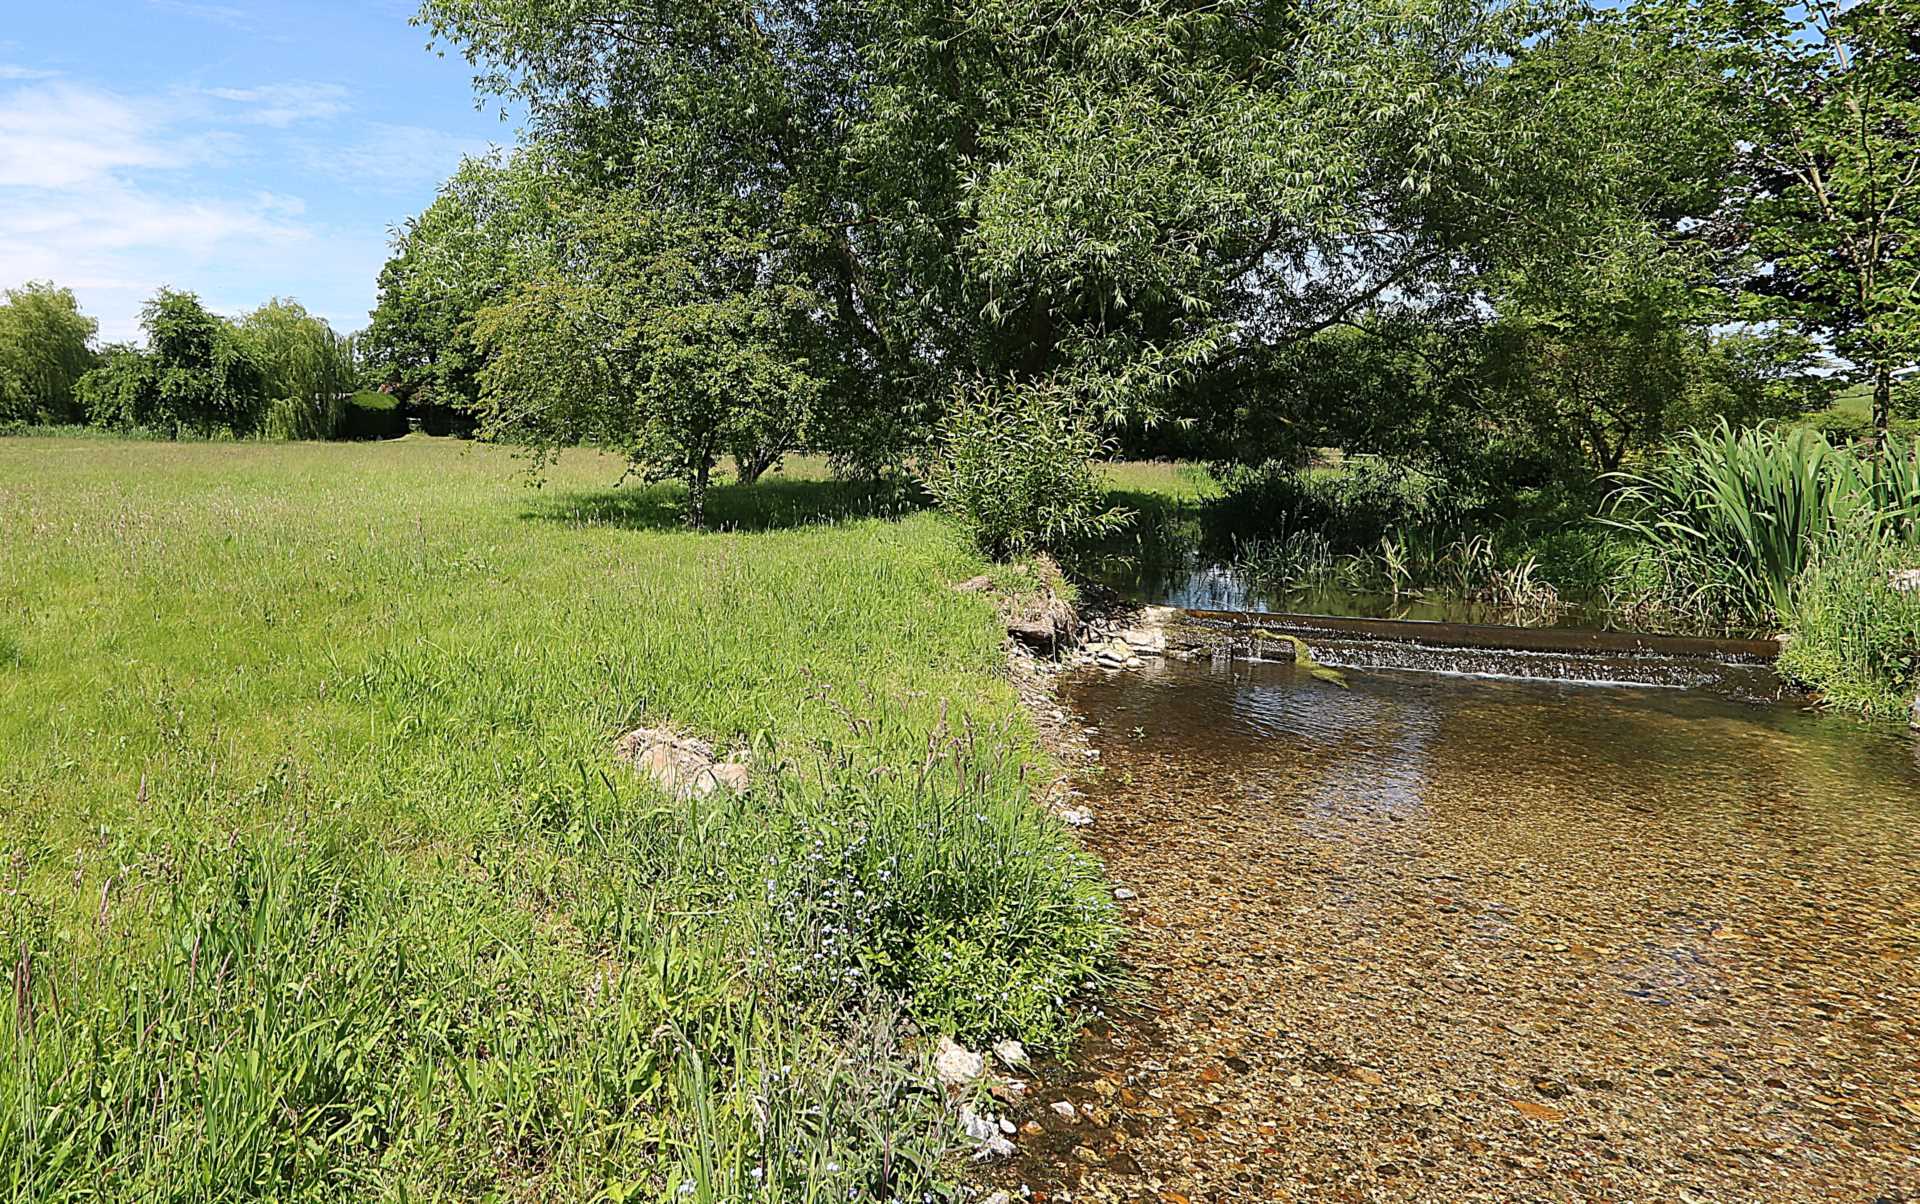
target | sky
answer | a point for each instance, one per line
(240, 150)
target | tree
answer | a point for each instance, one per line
(1121, 198)
(306, 369)
(666, 339)
(206, 377)
(1825, 211)
(122, 390)
(46, 346)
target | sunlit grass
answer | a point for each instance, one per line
(322, 884)
(1176, 479)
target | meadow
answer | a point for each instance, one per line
(318, 880)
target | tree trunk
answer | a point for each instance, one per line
(1882, 402)
(697, 494)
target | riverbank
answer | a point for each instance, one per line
(1695, 549)
(322, 879)
(1426, 938)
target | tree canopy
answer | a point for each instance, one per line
(46, 346)
(1514, 236)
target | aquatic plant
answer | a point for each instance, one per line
(1731, 518)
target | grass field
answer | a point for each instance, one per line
(317, 880)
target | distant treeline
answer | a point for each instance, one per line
(277, 372)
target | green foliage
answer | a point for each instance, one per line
(46, 346)
(370, 415)
(448, 263)
(1137, 200)
(199, 374)
(321, 883)
(1016, 468)
(1732, 518)
(1824, 106)
(665, 340)
(206, 375)
(1856, 639)
(305, 368)
(1354, 506)
(122, 393)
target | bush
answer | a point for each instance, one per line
(1352, 506)
(1016, 468)
(372, 416)
(1839, 427)
(1856, 639)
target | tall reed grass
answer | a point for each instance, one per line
(1731, 518)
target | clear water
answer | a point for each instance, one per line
(1445, 937)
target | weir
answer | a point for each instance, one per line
(1737, 667)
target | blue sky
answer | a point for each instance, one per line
(242, 150)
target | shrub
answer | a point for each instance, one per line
(1351, 507)
(1840, 427)
(1016, 467)
(1856, 639)
(372, 416)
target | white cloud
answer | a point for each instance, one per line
(13, 71)
(387, 157)
(115, 195)
(282, 105)
(95, 193)
(61, 136)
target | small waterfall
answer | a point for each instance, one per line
(1738, 668)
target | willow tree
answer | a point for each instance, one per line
(46, 346)
(306, 369)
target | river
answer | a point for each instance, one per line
(1449, 938)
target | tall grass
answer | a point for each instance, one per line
(316, 882)
(1731, 518)
(1856, 639)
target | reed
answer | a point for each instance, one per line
(1731, 518)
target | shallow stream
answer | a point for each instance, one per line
(1435, 937)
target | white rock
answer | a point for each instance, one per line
(1123, 894)
(1076, 818)
(1011, 1053)
(1063, 1109)
(956, 1064)
(1904, 580)
(984, 1129)
(1006, 1126)
(999, 1197)
(977, 1125)
(684, 766)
